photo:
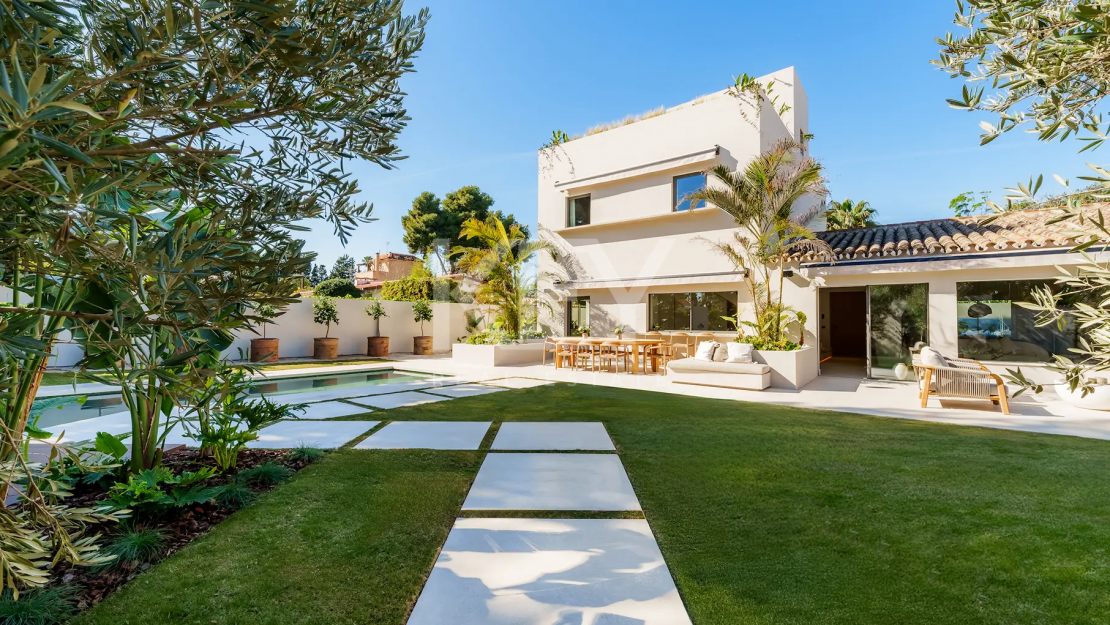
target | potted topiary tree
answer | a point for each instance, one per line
(325, 314)
(377, 345)
(264, 349)
(422, 311)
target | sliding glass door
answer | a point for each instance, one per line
(898, 319)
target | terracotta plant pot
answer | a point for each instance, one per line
(325, 349)
(422, 345)
(377, 346)
(264, 350)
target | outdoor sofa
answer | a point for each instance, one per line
(751, 376)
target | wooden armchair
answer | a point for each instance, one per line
(964, 379)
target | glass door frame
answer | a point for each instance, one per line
(868, 369)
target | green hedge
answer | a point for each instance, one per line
(415, 288)
(337, 287)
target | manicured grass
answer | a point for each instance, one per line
(347, 540)
(765, 515)
(56, 378)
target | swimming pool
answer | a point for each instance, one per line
(102, 405)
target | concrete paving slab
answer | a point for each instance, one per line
(574, 436)
(550, 572)
(464, 390)
(322, 434)
(86, 429)
(552, 482)
(398, 400)
(330, 410)
(518, 382)
(428, 435)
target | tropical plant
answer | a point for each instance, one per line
(337, 287)
(324, 313)
(376, 311)
(761, 198)
(499, 262)
(230, 429)
(154, 491)
(847, 214)
(421, 312)
(131, 210)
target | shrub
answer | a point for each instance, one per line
(420, 285)
(266, 474)
(42, 606)
(337, 287)
(305, 453)
(235, 494)
(135, 545)
(146, 492)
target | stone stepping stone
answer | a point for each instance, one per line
(464, 390)
(322, 434)
(546, 571)
(595, 482)
(331, 409)
(576, 436)
(398, 400)
(86, 429)
(465, 435)
(518, 382)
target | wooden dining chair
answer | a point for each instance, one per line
(549, 347)
(585, 355)
(613, 352)
(680, 342)
(565, 354)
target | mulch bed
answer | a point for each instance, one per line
(181, 526)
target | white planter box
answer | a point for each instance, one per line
(791, 370)
(1098, 399)
(498, 355)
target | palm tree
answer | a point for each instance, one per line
(498, 261)
(848, 214)
(761, 198)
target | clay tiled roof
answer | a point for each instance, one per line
(398, 256)
(1017, 230)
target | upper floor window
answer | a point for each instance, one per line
(578, 211)
(684, 185)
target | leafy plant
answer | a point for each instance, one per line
(41, 606)
(306, 454)
(235, 494)
(266, 314)
(230, 430)
(498, 261)
(154, 491)
(421, 312)
(266, 474)
(420, 284)
(134, 544)
(324, 313)
(376, 311)
(619, 330)
(846, 214)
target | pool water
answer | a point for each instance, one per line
(57, 411)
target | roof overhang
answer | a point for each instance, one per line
(701, 157)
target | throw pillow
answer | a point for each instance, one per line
(740, 353)
(705, 351)
(932, 358)
(720, 352)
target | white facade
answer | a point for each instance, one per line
(636, 243)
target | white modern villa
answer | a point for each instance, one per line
(630, 252)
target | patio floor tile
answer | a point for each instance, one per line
(581, 436)
(546, 571)
(428, 435)
(398, 400)
(551, 482)
(518, 382)
(464, 390)
(331, 409)
(322, 434)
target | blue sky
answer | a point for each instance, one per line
(496, 77)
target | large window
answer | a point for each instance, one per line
(991, 326)
(578, 315)
(692, 311)
(578, 211)
(684, 185)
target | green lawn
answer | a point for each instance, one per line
(765, 515)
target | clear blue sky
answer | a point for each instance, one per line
(496, 77)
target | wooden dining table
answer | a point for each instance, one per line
(638, 346)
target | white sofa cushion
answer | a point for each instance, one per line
(705, 351)
(739, 353)
(932, 358)
(693, 365)
(720, 352)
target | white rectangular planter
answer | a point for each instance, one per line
(790, 369)
(498, 355)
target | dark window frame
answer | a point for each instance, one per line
(674, 191)
(567, 215)
(570, 307)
